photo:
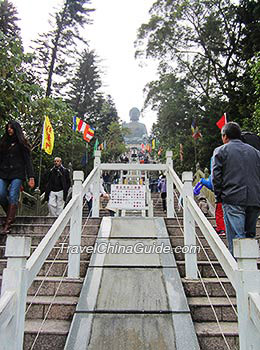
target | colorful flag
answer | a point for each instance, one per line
(222, 121)
(195, 130)
(96, 145)
(76, 121)
(148, 147)
(88, 133)
(47, 136)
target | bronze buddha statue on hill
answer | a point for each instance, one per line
(137, 131)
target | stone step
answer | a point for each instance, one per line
(68, 287)
(176, 230)
(179, 220)
(27, 229)
(62, 307)
(210, 335)
(57, 268)
(52, 336)
(60, 251)
(45, 220)
(213, 286)
(86, 240)
(201, 309)
(205, 269)
(204, 253)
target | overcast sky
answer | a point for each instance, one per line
(112, 37)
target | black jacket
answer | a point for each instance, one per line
(58, 175)
(236, 174)
(16, 162)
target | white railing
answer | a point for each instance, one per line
(243, 273)
(20, 272)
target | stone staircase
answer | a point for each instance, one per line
(56, 326)
(58, 317)
(207, 328)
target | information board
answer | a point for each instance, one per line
(128, 196)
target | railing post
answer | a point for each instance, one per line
(96, 186)
(37, 193)
(189, 227)
(15, 279)
(169, 185)
(76, 227)
(246, 251)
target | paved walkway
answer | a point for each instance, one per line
(132, 298)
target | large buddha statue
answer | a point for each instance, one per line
(137, 131)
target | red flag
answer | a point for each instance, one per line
(222, 121)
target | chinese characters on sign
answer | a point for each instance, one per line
(128, 196)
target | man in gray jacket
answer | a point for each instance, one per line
(236, 183)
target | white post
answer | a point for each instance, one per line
(15, 279)
(149, 197)
(189, 227)
(76, 227)
(96, 186)
(248, 280)
(169, 185)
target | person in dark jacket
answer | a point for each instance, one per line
(57, 188)
(15, 166)
(236, 183)
(162, 188)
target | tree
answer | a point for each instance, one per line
(204, 39)
(56, 49)
(255, 70)
(115, 143)
(17, 86)
(203, 70)
(8, 18)
(85, 85)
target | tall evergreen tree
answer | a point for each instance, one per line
(57, 48)
(85, 85)
(8, 19)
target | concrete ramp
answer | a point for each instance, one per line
(132, 297)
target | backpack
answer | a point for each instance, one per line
(251, 138)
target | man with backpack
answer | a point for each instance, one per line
(236, 183)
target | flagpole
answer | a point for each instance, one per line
(40, 169)
(86, 158)
(195, 153)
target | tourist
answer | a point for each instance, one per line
(236, 183)
(15, 166)
(58, 184)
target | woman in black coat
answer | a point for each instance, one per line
(15, 166)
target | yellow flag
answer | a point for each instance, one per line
(47, 136)
(153, 144)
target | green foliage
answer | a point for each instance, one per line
(204, 70)
(255, 69)
(17, 87)
(115, 143)
(22, 98)
(8, 18)
(57, 49)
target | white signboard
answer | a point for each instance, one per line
(128, 196)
